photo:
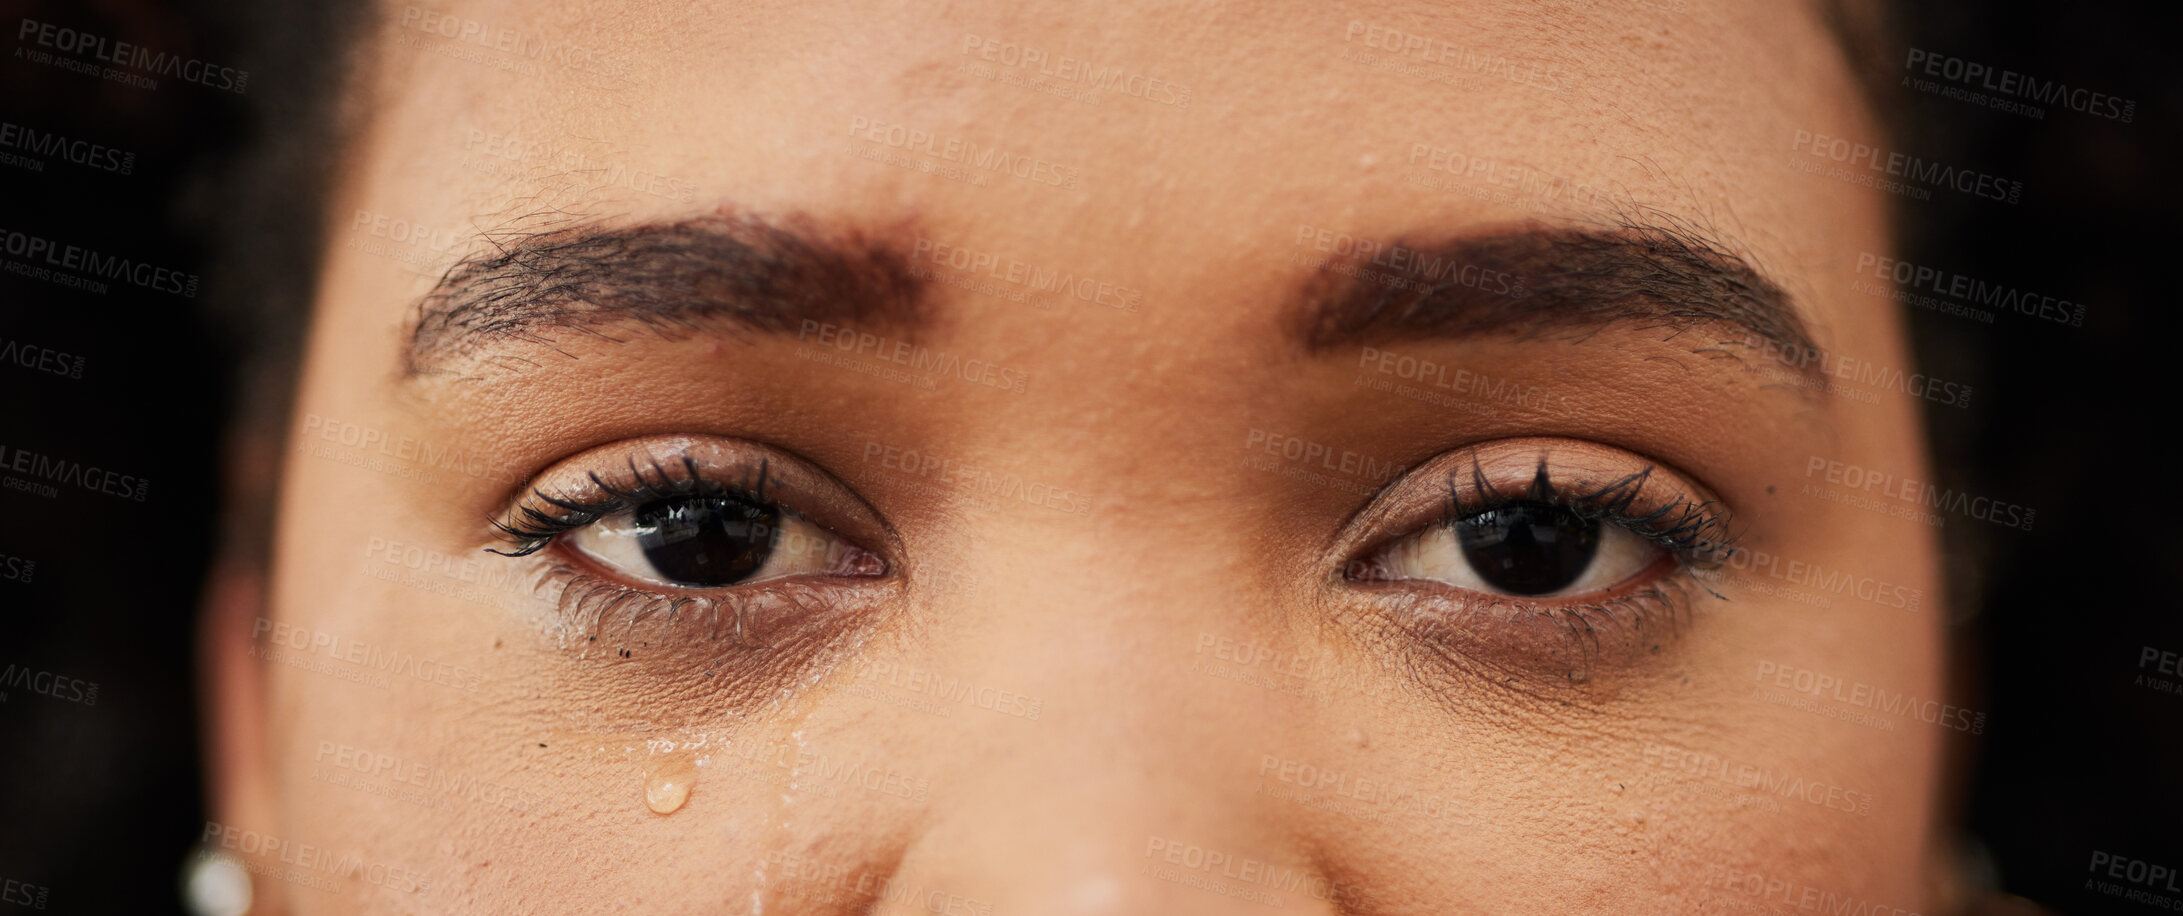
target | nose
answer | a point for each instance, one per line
(1111, 833)
(1136, 788)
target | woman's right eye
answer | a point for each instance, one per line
(717, 541)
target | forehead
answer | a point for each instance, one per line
(1141, 141)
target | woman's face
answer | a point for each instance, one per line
(1147, 460)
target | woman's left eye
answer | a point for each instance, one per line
(1519, 549)
(716, 541)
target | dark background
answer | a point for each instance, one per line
(99, 803)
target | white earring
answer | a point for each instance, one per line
(215, 884)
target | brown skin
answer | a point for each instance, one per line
(1550, 794)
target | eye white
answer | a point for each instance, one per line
(799, 548)
(1435, 555)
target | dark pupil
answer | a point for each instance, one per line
(1528, 548)
(707, 540)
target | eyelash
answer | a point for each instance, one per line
(532, 528)
(588, 602)
(1696, 533)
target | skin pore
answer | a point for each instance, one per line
(1101, 608)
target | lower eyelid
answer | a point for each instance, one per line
(1529, 640)
(594, 610)
(734, 655)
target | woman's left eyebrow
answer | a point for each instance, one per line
(1535, 282)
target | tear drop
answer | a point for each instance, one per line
(668, 785)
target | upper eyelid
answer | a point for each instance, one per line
(1689, 524)
(1425, 493)
(606, 477)
(542, 526)
(530, 528)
